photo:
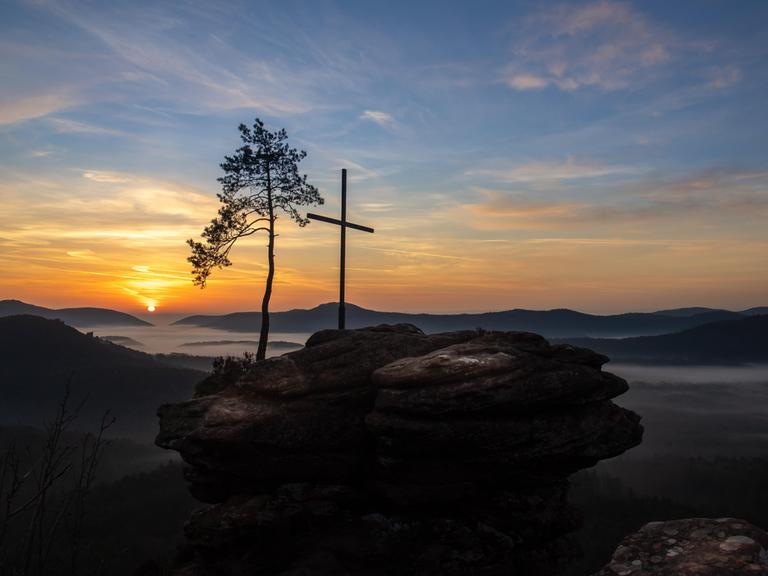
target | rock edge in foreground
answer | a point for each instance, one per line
(700, 546)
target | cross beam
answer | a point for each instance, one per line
(343, 224)
(338, 222)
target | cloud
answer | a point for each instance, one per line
(376, 207)
(498, 211)
(107, 177)
(66, 126)
(724, 76)
(142, 52)
(712, 197)
(42, 153)
(357, 172)
(85, 254)
(415, 253)
(130, 198)
(150, 47)
(606, 242)
(121, 206)
(526, 81)
(605, 44)
(552, 171)
(378, 117)
(13, 110)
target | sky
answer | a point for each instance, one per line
(604, 156)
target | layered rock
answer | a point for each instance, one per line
(700, 546)
(388, 451)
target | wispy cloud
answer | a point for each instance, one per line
(106, 204)
(357, 172)
(108, 177)
(609, 242)
(524, 81)
(146, 50)
(376, 207)
(85, 254)
(67, 126)
(42, 153)
(378, 117)
(552, 171)
(18, 109)
(712, 197)
(605, 44)
(724, 76)
(151, 47)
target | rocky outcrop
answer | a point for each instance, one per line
(700, 546)
(388, 451)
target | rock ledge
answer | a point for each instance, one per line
(389, 451)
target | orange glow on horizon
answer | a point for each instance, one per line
(460, 258)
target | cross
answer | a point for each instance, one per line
(344, 225)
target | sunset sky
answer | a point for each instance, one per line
(603, 156)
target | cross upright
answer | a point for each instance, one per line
(343, 224)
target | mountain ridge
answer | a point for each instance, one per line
(84, 317)
(555, 323)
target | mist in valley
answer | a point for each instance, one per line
(703, 454)
(698, 410)
(166, 338)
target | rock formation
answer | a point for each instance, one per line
(700, 546)
(388, 451)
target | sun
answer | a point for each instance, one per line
(151, 308)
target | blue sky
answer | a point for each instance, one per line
(600, 155)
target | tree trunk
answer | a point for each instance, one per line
(261, 352)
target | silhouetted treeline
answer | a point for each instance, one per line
(742, 340)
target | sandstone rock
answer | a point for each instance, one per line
(388, 451)
(336, 360)
(496, 374)
(291, 418)
(503, 405)
(700, 546)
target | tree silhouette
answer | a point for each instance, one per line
(260, 180)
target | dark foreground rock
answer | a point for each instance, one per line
(700, 546)
(388, 451)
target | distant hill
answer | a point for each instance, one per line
(744, 340)
(126, 341)
(277, 344)
(38, 356)
(713, 312)
(81, 317)
(760, 310)
(560, 323)
(687, 312)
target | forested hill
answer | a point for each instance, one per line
(82, 317)
(744, 340)
(38, 356)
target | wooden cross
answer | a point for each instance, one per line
(344, 225)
